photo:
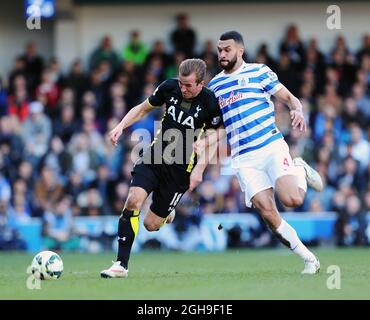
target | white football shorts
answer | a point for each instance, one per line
(260, 171)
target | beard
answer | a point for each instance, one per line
(229, 65)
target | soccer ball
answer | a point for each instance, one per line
(47, 265)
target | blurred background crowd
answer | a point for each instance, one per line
(57, 162)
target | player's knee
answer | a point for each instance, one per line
(133, 202)
(151, 226)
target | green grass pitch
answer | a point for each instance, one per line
(241, 274)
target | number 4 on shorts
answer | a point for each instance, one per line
(286, 162)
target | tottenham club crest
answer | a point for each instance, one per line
(197, 113)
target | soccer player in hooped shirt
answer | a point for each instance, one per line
(163, 169)
(259, 152)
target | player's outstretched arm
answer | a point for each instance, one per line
(295, 106)
(204, 158)
(135, 114)
(207, 153)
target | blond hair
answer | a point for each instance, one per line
(197, 66)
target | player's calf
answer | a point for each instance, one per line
(265, 204)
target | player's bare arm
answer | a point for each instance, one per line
(212, 137)
(206, 148)
(295, 106)
(196, 176)
(133, 116)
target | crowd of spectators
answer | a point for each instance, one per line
(57, 162)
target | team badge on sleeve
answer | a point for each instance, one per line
(272, 76)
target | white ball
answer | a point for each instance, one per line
(47, 265)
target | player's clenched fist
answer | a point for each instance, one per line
(115, 134)
(298, 120)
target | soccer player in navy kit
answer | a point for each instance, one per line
(189, 106)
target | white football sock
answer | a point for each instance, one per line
(300, 172)
(288, 234)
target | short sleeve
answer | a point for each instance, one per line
(269, 80)
(215, 120)
(158, 97)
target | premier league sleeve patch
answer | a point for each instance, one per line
(216, 121)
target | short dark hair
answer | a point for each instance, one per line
(232, 35)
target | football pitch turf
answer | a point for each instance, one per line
(241, 274)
